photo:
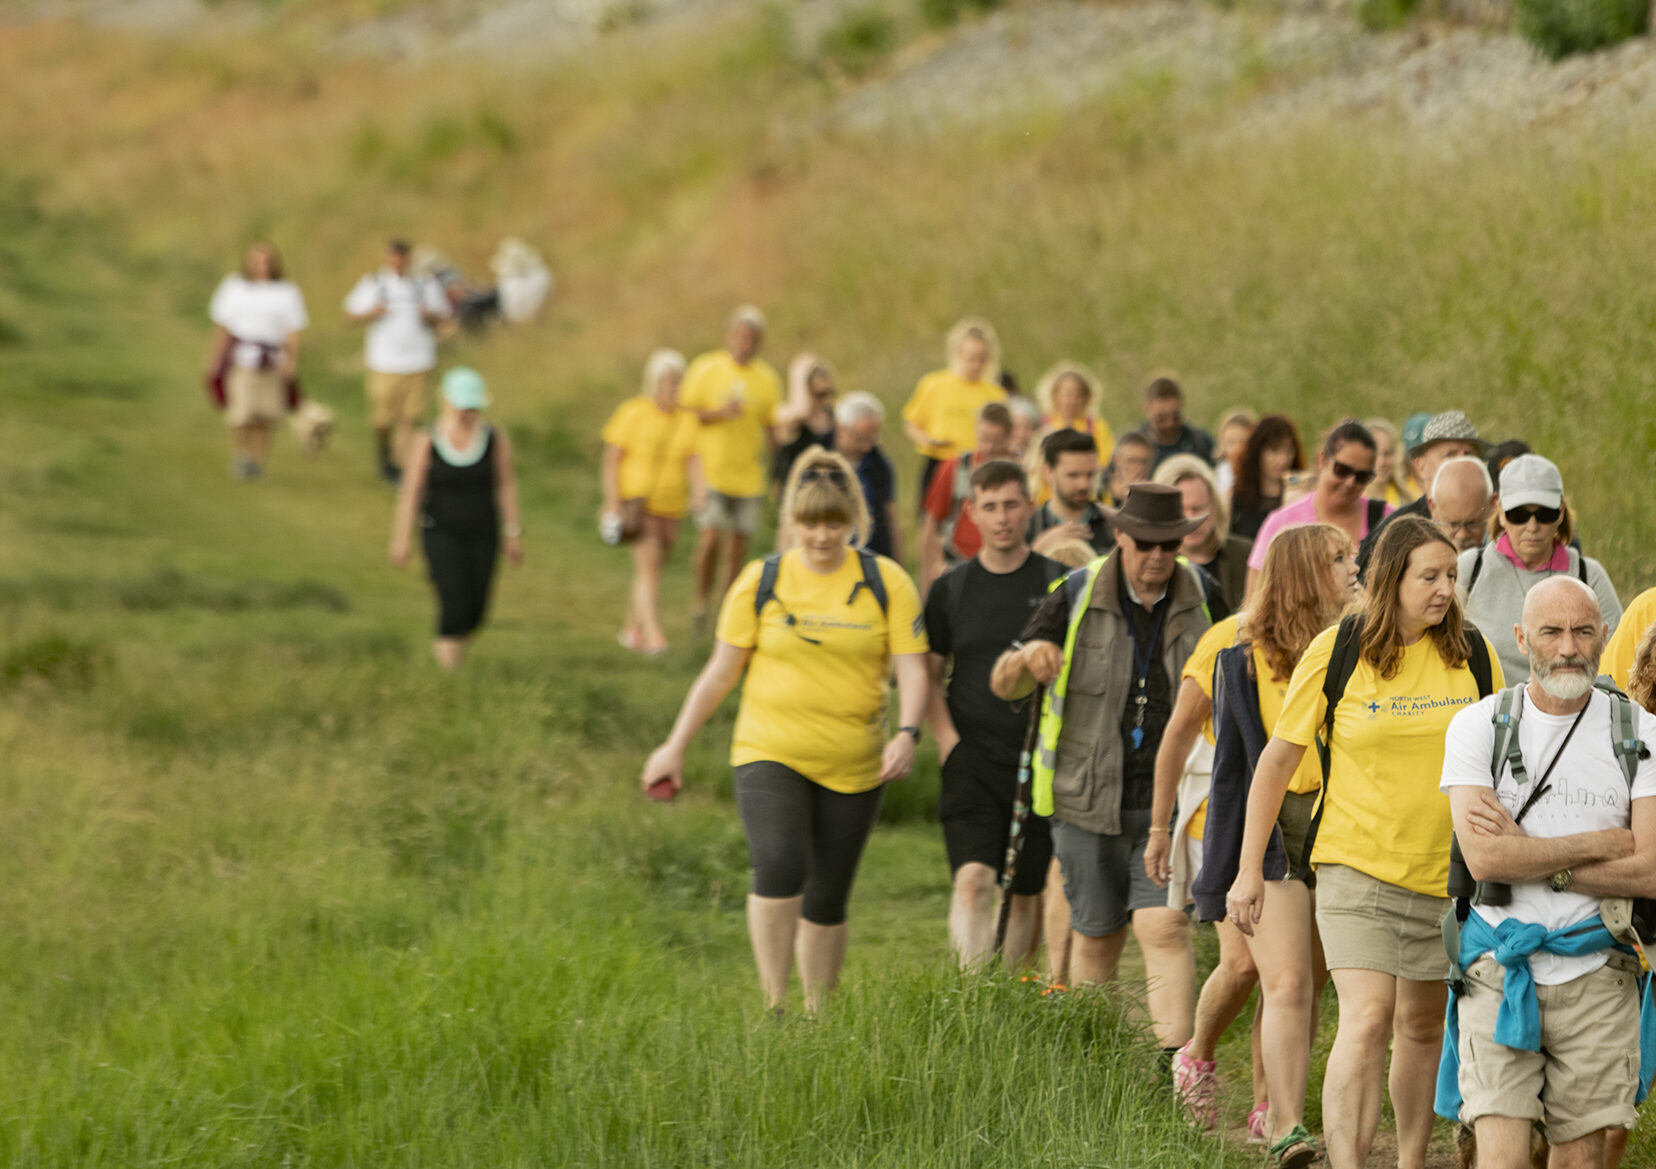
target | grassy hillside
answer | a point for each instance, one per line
(273, 893)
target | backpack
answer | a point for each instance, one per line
(1477, 567)
(1342, 663)
(871, 580)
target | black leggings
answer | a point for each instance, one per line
(462, 571)
(804, 838)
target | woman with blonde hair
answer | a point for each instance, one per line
(1070, 396)
(1381, 830)
(940, 417)
(1308, 581)
(1391, 469)
(649, 476)
(1211, 546)
(806, 418)
(818, 630)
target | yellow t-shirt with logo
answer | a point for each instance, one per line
(734, 451)
(1384, 814)
(946, 406)
(655, 445)
(1639, 616)
(815, 694)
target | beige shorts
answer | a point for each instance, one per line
(730, 513)
(252, 396)
(1586, 1074)
(396, 397)
(1367, 924)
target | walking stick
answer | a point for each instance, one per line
(1020, 813)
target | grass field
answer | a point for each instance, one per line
(273, 893)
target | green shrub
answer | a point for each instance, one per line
(54, 660)
(939, 13)
(1381, 15)
(1561, 27)
(859, 40)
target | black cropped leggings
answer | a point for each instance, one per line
(803, 838)
(462, 571)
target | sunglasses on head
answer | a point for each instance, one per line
(1519, 516)
(1148, 546)
(832, 474)
(1345, 471)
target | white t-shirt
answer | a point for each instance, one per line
(257, 312)
(1588, 793)
(400, 341)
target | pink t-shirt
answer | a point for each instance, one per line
(1301, 511)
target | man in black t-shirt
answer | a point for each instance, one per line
(973, 613)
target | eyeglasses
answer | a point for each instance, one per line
(1345, 471)
(832, 474)
(1149, 546)
(1519, 516)
(1467, 526)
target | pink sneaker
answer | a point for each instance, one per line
(1197, 1083)
(1256, 1122)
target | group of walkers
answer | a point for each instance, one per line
(1266, 695)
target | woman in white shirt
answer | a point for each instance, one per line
(257, 318)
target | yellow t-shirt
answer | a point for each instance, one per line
(655, 446)
(1384, 814)
(946, 406)
(1639, 616)
(815, 695)
(734, 452)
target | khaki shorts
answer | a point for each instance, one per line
(1367, 924)
(1586, 1074)
(730, 513)
(396, 397)
(252, 396)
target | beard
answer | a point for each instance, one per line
(1565, 687)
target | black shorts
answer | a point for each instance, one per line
(977, 822)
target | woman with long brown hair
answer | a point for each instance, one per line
(1308, 581)
(1273, 449)
(1381, 832)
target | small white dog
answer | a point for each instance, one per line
(312, 424)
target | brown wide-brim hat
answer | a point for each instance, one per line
(1153, 513)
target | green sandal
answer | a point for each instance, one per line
(1294, 1151)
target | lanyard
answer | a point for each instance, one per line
(1541, 788)
(1141, 669)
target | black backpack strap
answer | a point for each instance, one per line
(1376, 513)
(1477, 567)
(1581, 566)
(871, 579)
(767, 583)
(1342, 663)
(1477, 660)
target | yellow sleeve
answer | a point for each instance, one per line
(905, 622)
(773, 393)
(738, 623)
(693, 391)
(618, 431)
(918, 408)
(1624, 643)
(1199, 666)
(1104, 440)
(1303, 706)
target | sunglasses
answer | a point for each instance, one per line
(1148, 546)
(1519, 516)
(832, 474)
(1344, 471)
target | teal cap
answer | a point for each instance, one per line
(464, 389)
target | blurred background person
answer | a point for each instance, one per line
(1165, 426)
(810, 752)
(1070, 397)
(1069, 465)
(461, 487)
(1443, 436)
(649, 475)
(1530, 541)
(1392, 481)
(1272, 451)
(947, 534)
(401, 310)
(1236, 426)
(1210, 547)
(806, 418)
(1134, 456)
(940, 416)
(253, 360)
(858, 419)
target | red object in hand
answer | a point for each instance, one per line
(661, 789)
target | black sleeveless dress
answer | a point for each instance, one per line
(460, 531)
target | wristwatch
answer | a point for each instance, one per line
(1559, 882)
(915, 731)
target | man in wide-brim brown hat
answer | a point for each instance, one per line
(1109, 645)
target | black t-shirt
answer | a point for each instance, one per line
(973, 615)
(1050, 622)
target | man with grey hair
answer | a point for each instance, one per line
(857, 421)
(1553, 796)
(1459, 498)
(1446, 436)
